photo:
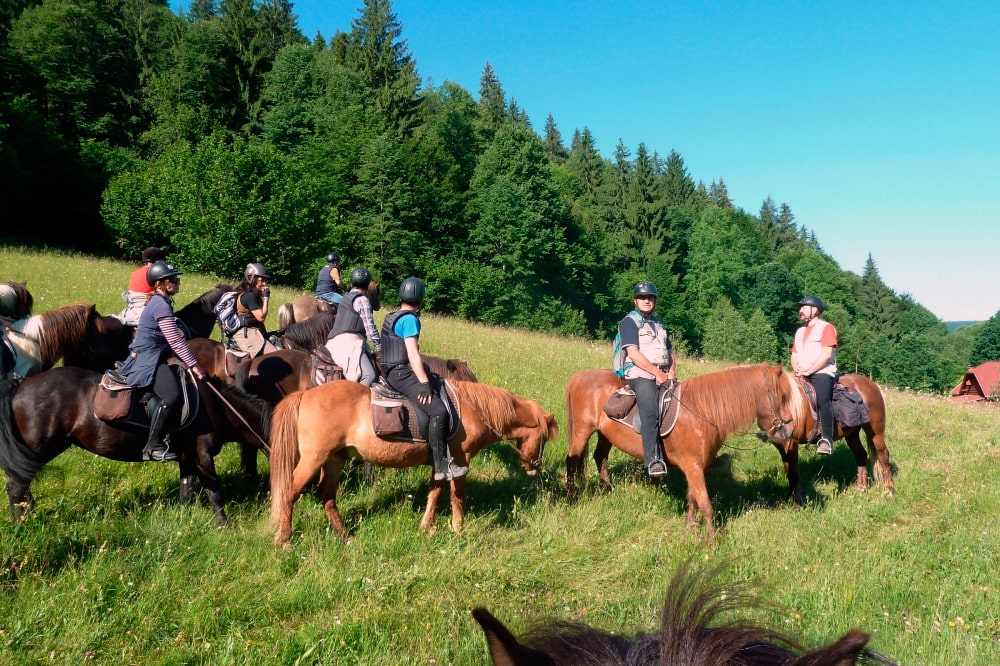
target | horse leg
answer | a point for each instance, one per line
(880, 452)
(790, 461)
(575, 452)
(22, 502)
(427, 522)
(853, 439)
(457, 504)
(328, 483)
(601, 453)
(248, 463)
(304, 472)
(698, 500)
(205, 467)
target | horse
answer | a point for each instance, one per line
(16, 301)
(319, 429)
(874, 434)
(40, 341)
(300, 309)
(199, 315)
(712, 407)
(690, 633)
(43, 415)
(309, 334)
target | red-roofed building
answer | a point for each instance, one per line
(981, 384)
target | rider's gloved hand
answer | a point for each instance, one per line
(424, 396)
(265, 292)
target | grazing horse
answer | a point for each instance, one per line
(43, 415)
(690, 634)
(319, 429)
(15, 300)
(874, 433)
(40, 341)
(712, 407)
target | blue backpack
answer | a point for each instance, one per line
(225, 311)
(619, 362)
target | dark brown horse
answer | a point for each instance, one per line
(198, 316)
(43, 415)
(691, 633)
(713, 406)
(874, 433)
(40, 341)
(318, 430)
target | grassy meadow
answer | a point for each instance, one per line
(110, 569)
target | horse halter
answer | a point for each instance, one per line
(778, 422)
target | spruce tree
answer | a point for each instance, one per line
(554, 147)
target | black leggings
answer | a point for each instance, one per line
(166, 386)
(823, 385)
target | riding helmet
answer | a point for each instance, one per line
(255, 270)
(151, 254)
(161, 270)
(645, 288)
(813, 301)
(361, 277)
(332, 258)
(411, 291)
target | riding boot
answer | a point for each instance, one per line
(647, 395)
(444, 468)
(824, 446)
(157, 447)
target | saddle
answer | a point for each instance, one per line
(117, 402)
(621, 406)
(323, 368)
(849, 409)
(395, 418)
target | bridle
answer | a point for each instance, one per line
(778, 422)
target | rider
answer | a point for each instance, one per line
(814, 358)
(156, 337)
(405, 372)
(650, 363)
(329, 286)
(138, 290)
(347, 337)
(251, 307)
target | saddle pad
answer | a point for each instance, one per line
(669, 410)
(396, 419)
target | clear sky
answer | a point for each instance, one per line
(876, 122)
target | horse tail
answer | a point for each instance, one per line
(286, 316)
(284, 451)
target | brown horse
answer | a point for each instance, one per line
(319, 429)
(874, 433)
(300, 309)
(692, 632)
(40, 341)
(713, 406)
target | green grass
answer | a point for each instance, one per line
(110, 569)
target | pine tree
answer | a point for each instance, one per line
(554, 147)
(719, 195)
(492, 103)
(678, 186)
(877, 303)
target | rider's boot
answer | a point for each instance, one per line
(157, 447)
(444, 468)
(824, 446)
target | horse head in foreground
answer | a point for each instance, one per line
(691, 634)
(316, 431)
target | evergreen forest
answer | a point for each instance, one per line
(225, 135)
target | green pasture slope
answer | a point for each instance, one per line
(110, 569)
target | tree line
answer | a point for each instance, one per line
(224, 134)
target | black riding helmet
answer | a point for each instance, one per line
(151, 254)
(332, 258)
(160, 270)
(645, 288)
(411, 291)
(255, 270)
(361, 277)
(813, 301)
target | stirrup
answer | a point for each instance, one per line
(656, 468)
(159, 453)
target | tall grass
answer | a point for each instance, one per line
(110, 569)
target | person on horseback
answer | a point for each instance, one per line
(346, 342)
(814, 358)
(138, 289)
(156, 337)
(650, 362)
(329, 286)
(404, 370)
(251, 308)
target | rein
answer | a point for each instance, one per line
(264, 444)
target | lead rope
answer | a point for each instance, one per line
(264, 444)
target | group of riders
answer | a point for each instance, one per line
(157, 338)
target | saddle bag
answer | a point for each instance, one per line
(113, 399)
(388, 417)
(849, 407)
(620, 403)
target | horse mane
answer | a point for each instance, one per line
(452, 368)
(199, 312)
(494, 405)
(61, 328)
(693, 630)
(207, 301)
(15, 300)
(796, 399)
(311, 333)
(726, 399)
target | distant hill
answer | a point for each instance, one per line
(952, 325)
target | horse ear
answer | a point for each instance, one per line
(845, 652)
(505, 650)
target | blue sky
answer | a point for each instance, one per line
(875, 121)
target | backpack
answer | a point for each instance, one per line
(225, 312)
(618, 361)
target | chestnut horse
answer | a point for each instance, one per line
(319, 429)
(43, 415)
(874, 433)
(713, 406)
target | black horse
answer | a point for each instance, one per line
(43, 415)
